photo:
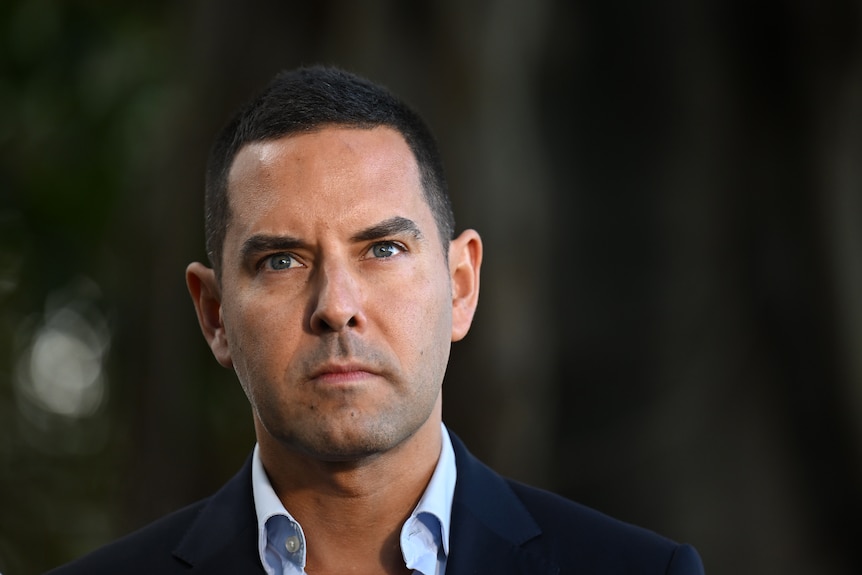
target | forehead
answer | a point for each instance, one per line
(334, 173)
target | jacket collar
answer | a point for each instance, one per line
(223, 537)
(490, 525)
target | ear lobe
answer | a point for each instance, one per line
(465, 261)
(206, 296)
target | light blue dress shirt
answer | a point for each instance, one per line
(424, 536)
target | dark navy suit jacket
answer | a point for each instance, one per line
(499, 527)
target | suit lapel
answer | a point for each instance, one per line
(490, 525)
(223, 537)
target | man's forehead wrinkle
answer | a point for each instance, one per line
(260, 158)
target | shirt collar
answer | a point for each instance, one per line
(435, 504)
(275, 526)
(437, 499)
(425, 535)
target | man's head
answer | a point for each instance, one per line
(336, 302)
(306, 100)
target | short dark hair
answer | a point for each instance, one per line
(305, 100)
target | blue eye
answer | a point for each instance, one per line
(385, 250)
(280, 262)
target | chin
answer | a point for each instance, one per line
(348, 445)
(342, 451)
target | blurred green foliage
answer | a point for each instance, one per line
(76, 92)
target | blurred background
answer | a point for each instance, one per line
(671, 199)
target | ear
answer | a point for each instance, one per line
(465, 260)
(206, 295)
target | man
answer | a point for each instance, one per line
(335, 292)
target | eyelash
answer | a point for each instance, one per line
(295, 262)
(401, 248)
(266, 261)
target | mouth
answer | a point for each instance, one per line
(342, 373)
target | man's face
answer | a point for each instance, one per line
(336, 297)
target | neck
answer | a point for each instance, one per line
(350, 510)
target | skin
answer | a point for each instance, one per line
(337, 308)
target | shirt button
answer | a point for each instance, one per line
(292, 544)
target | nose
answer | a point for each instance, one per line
(337, 305)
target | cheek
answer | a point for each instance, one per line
(258, 334)
(424, 315)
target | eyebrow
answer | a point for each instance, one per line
(269, 243)
(392, 226)
(266, 243)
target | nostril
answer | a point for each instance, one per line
(337, 303)
(328, 318)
